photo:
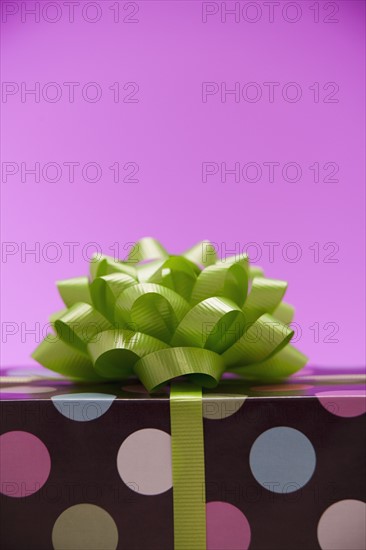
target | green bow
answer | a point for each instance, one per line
(160, 316)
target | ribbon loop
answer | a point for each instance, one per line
(284, 312)
(74, 290)
(164, 316)
(80, 324)
(104, 291)
(105, 265)
(261, 340)
(277, 367)
(228, 279)
(115, 352)
(147, 249)
(264, 297)
(178, 274)
(204, 367)
(150, 308)
(202, 254)
(208, 325)
(57, 356)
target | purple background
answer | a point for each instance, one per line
(169, 132)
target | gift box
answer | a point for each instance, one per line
(89, 465)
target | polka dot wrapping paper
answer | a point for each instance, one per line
(89, 466)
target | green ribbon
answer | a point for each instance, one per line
(189, 495)
(159, 317)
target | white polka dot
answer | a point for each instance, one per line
(83, 407)
(217, 406)
(18, 379)
(40, 372)
(85, 527)
(343, 525)
(26, 389)
(144, 461)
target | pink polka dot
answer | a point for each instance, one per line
(282, 387)
(345, 403)
(227, 527)
(25, 464)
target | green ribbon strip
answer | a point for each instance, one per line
(160, 316)
(189, 495)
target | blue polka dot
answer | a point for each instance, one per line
(83, 407)
(282, 459)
